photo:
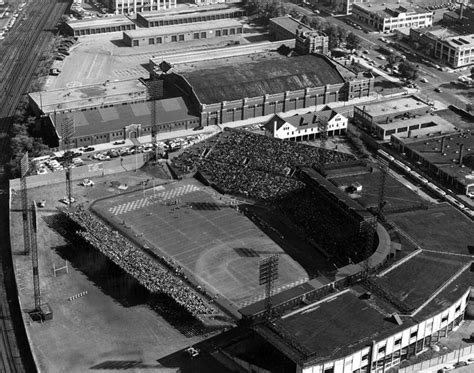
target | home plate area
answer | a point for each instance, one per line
(162, 196)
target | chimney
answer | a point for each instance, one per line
(301, 121)
(442, 144)
(461, 150)
(409, 134)
(461, 11)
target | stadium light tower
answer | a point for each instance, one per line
(34, 256)
(154, 91)
(24, 168)
(67, 130)
(267, 276)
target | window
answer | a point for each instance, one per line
(239, 30)
(159, 40)
(174, 38)
(135, 43)
(444, 318)
(365, 357)
(413, 334)
(398, 341)
(151, 41)
(382, 350)
(225, 32)
(458, 308)
(181, 37)
(203, 35)
(196, 35)
(218, 33)
(232, 31)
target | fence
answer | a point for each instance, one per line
(127, 163)
(453, 356)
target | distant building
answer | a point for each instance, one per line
(189, 15)
(345, 6)
(285, 27)
(371, 116)
(308, 42)
(305, 127)
(135, 6)
(413, 127)
(456, 51)
(99, 26)
(448, 156)
(183, 32)
(389, 17)
(461, 19)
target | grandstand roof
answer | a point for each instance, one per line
(182, 28)
(447, 161)
(188, 8)
(387, 9)
(234, 78)
(346, 322)
(418, 278)
(116, 117)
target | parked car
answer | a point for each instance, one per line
(89, 149)
(54, 71)
(120, 142)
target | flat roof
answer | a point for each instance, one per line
(116, 117)
(118, 19)
(290, 24)
(337, 325)
(464, 41)
(106, 93)
(184, 59)
(234, 78)
(439, 124)
(418, 278)
(193, 12)
(390, 107)
(182, 28)
(447, 161)
(188, 8)
(391, 9)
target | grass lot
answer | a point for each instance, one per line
(397, 196)
(441, 228)
(210, 240)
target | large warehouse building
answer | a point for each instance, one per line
(183, 32)
(193, 15)
(240, 86)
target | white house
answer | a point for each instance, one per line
(307, 126)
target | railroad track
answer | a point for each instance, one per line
(19, 56)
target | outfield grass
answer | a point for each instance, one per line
(441, 228)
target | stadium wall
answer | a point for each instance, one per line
(128, 163)
(388, 352)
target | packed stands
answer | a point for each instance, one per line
(135, 262)
(252, 165)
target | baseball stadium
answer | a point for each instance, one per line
(183, 249)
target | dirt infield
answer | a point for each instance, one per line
(203, 234)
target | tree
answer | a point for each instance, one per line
(332, 32)
(392, 59)
(408, 70)
(352, 41)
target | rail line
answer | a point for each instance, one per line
(20, 53)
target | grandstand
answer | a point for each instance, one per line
(252, 165)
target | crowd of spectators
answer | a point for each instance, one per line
(253, 165)
(135, 262)
(329, 226)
